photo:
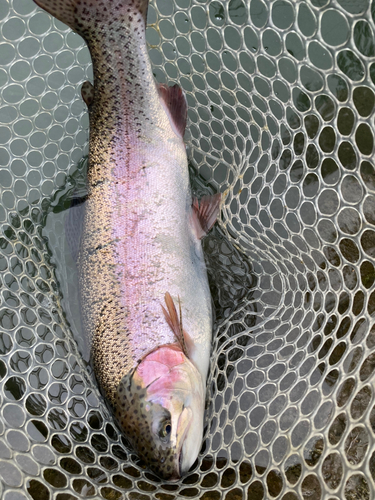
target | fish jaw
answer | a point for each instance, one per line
(160, 407)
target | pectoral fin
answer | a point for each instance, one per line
(175, 324)
(205, 213)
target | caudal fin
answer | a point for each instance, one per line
(80, 15)
(63, 10)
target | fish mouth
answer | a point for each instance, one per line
(183, 426)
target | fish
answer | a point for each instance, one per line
(145, 298)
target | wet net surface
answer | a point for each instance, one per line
(281, 118)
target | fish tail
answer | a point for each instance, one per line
(86, 15)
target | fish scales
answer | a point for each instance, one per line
(139, 238)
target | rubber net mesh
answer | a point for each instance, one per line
(281, 117)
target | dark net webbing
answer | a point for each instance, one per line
(281, 119)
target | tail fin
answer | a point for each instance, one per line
(63, 10)
(80, 16)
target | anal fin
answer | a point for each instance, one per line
(176, 107)
(205, 213)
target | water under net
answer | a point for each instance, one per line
(281, 118)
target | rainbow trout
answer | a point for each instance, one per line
(146, 304)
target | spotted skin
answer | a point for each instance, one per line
(138, 239)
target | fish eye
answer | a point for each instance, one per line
(166, 429)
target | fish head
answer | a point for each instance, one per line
(160, 407)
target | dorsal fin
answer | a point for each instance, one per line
(87, 92)
(205, 213)
(175, 106)
(74, 224)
